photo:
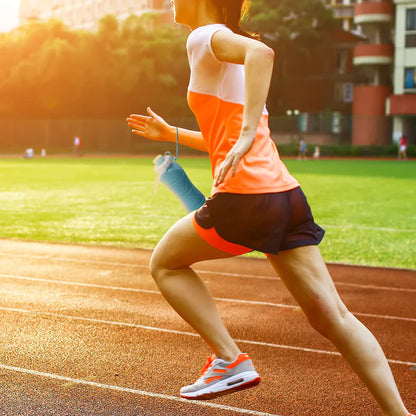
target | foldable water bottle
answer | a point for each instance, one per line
(171, 174)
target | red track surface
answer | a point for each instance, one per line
(85, 332)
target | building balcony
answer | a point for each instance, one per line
(344, 11)
(401, 104)
(373, 54)
(374, 12)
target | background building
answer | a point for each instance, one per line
(401, 105)
(84, 14)
(385, 66)
(373, 60)
(344, 11)
(321, 96)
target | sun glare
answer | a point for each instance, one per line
(9, 14)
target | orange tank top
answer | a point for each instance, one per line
(216, 97)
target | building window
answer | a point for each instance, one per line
(410, 79)
(344, 92)
(341, 61)
(410, 28)
(411, 41)
(411, 19)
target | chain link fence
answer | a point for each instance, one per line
(101, 136)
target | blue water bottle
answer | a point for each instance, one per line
(174, 177)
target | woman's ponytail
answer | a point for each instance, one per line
(233, 11)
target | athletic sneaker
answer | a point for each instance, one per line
(220, 377)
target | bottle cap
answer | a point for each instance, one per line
(158, 160)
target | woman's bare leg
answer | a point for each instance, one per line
(183, 288)
(305, 274)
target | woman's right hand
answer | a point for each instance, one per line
(152, 126)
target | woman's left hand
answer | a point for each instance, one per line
(231, 161)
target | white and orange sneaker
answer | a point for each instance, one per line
(220, 377)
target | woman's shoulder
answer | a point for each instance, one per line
(204, 33)
(198, 44)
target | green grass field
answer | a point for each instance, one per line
(368, 207)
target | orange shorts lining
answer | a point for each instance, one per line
(211, 236)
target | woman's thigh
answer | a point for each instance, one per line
(305, 274)
(182, 246)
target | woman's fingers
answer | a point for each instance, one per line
(234, 156)
(136, 120)
(138, 126)
(153, 115)
(139, 117)
(225, 167)
(150, 126)
(229, 163)
(151, 112)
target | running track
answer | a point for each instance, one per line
(84, 331)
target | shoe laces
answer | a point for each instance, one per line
(208, 364)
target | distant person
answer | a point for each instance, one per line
(77, 147)
(316, 153)
(302, 150)
(402, 148)
(29, 153)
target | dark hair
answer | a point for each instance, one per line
(232, 12)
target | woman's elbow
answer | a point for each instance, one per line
(269, 52)
(264, 53)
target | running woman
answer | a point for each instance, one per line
(255, 204)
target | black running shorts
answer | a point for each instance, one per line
(269, 223)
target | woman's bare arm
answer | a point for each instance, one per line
(258, 60)
(154, 127)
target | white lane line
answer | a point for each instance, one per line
(391, 317)
(130, 289)
(133, 391)
(68, 283)
(138, 266)
(156, 292)
(209, 272)
(74, 260)
(367, 227)
(393, 289)
(313, 350)
(192, 334)
(142, 266)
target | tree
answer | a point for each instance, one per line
(289, 27)
(48, 70)
(278, 20)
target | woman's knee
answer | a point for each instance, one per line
(163, 262)
(163, 257)
(174, 250)
(158, 265)
(326, 316)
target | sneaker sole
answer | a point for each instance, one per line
(230, 385)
